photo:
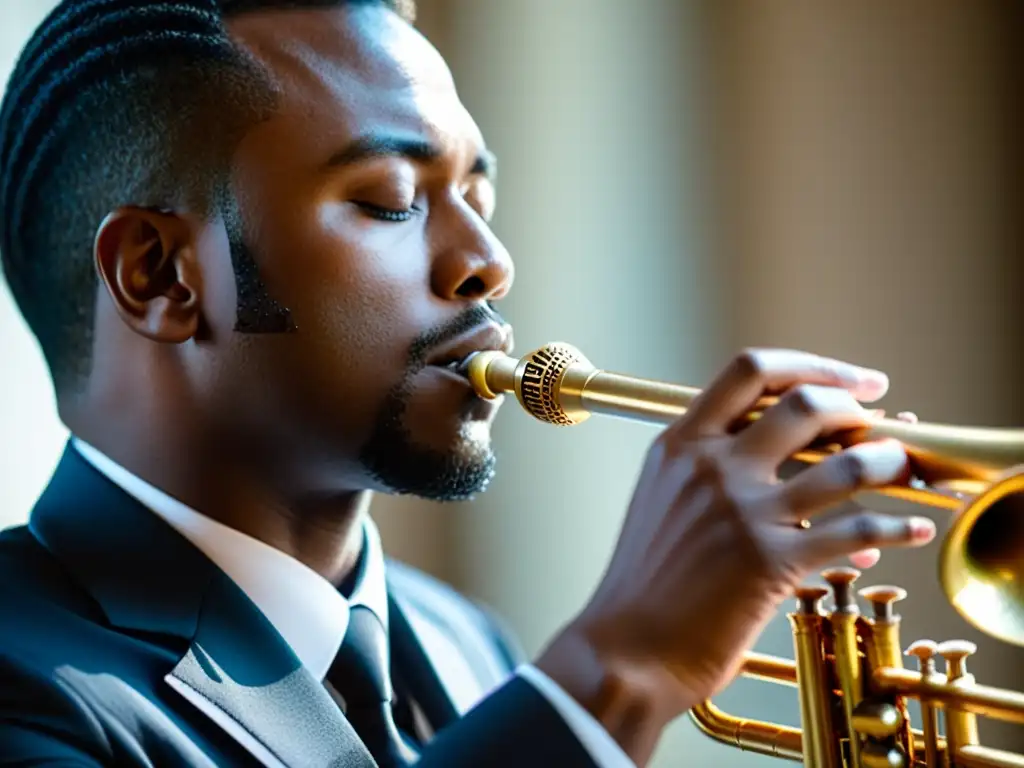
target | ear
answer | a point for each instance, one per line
(147, 259)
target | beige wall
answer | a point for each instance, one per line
(31, 437)
(856, 194)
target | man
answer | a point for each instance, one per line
(251, 239)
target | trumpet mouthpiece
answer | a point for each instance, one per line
(463, 368)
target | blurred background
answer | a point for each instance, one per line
(680, 180)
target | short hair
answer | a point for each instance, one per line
(122, 102)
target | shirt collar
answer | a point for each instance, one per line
(306, 609)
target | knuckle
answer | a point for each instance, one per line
(671, 444)
(851, 469)
(750, 363)
(723, 477)
(868, 530)
(826, 370)
(804, 400)
(709, 464)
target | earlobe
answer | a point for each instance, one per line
(148, 262)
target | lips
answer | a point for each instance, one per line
(489, 337)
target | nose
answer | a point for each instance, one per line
(470, 263)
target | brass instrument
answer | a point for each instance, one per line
(848, 668)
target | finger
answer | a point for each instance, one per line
(802, 415)
(850, 534)
(907, 416)
(758, 372)
(861, 468)
(866, 558)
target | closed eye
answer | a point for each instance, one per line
(395, 215)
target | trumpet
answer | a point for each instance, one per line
(848, 669)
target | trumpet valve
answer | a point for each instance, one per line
(877, 720)
(924, 651)
(956, 653)
(841, 580)
(883, 756)
(882, 599)
(809, 600)
(961, 725)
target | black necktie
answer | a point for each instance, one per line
(360, 674)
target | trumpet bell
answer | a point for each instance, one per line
(981, 565)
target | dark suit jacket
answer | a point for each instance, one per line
(122, 644)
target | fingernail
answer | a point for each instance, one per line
(921, 529)
(882, 461)
(871, 376)
(870, 384)
(867, 558)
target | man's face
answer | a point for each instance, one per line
(365, 201)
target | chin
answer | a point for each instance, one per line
(456, 469)
(432, 442)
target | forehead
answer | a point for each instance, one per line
(347, 70)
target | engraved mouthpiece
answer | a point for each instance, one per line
(545, 380)
(538, 386)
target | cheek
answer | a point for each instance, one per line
(358, 291)
(364, 282)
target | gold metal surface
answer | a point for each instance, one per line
(986, 757)
(846, 652)
(924, 651)
(813, 684)
(847, 668)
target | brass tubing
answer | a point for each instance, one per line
(977, 699)
(748, 735)
(769, 738)
(924, 651)
(784, 741)
(884, 650)
(961, 725)
(846, 622)
(557, 384)
(761, 666)
(814, 690)
(987, 757)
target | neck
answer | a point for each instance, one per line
(322, 531)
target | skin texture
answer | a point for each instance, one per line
(284, 436)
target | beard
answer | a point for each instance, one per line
(404, 467)
(391, 456)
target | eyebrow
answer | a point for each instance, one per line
(378, 145)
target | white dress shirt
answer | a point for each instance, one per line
(309, 613)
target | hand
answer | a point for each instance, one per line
(711, 545)
(869, 558)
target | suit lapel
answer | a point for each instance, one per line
(240, 673)
(237, 670)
